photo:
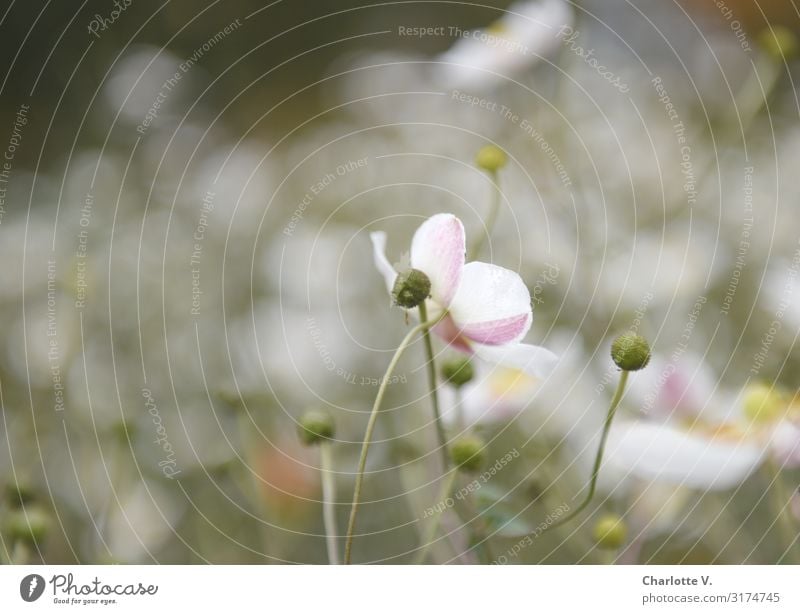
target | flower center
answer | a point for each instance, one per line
(723, 432)
(452, 335)
(763, 403)
(508, 382)
(498, 28)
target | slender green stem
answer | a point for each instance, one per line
(781, 501)
(433, 525)
(608, 557)
(598, 461)
(328, 500)
(461, 421)
(754, 95)
(491, 218)
(437, 416)
(362, 463)
(20, 553)
(480, 538)
(251, 484)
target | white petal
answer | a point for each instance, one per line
(439, 250)
(495, 394)
(527, 31)
(381, 263)
(785, 444)
(686, 387)
(491, 299)
(531, 359)
(661, 452)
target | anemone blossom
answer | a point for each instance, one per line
(697, 437)
(487, 309)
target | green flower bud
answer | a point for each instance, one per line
(491, 158)
(763, 403)
(411, 288)
(535, 489)
(124, 430)
(610, 532)
(468, 453)
(29, 524)
(630, 352)
(458, 371)
(18, 494)
(780, 42)
(314, 427)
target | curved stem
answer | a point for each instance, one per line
(433, 525)
(754, 95)
(328, 497)
(479, 536)
(362, 463)
(20, 553)
(598, 461)
(251, 484)
(5, 555)
(437, 416)
(491, 218)
(461, 420)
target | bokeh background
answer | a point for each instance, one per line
(186, 269)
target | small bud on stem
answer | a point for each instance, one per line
(411, 288)
(780, 42)
(610, 532)
(491, 158)
(314, 427)
(630, 352)
(458, 372)
(29, 525)
(468, 453)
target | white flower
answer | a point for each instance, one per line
(488, 308)
(495, 394)
(527, 31)
(694, 440)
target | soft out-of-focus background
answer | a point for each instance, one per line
(187, 195)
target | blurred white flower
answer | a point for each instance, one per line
(697, 438)
(495, 394)
(141, 522)
(138, 80)
(482, 58)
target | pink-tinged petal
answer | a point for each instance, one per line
(531, 359)
(492, 303)
(438, 250)
(662, 453)
(381, 263)
(785, 444)
(498, 332)
(686, 388)
(451, 335)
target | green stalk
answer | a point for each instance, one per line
(362, 463)
(432, 384)
(328, 501)
(433, 524)
(598, 461)
(781, 501)
(491, 218)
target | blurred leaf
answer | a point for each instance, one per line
(499, 515)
